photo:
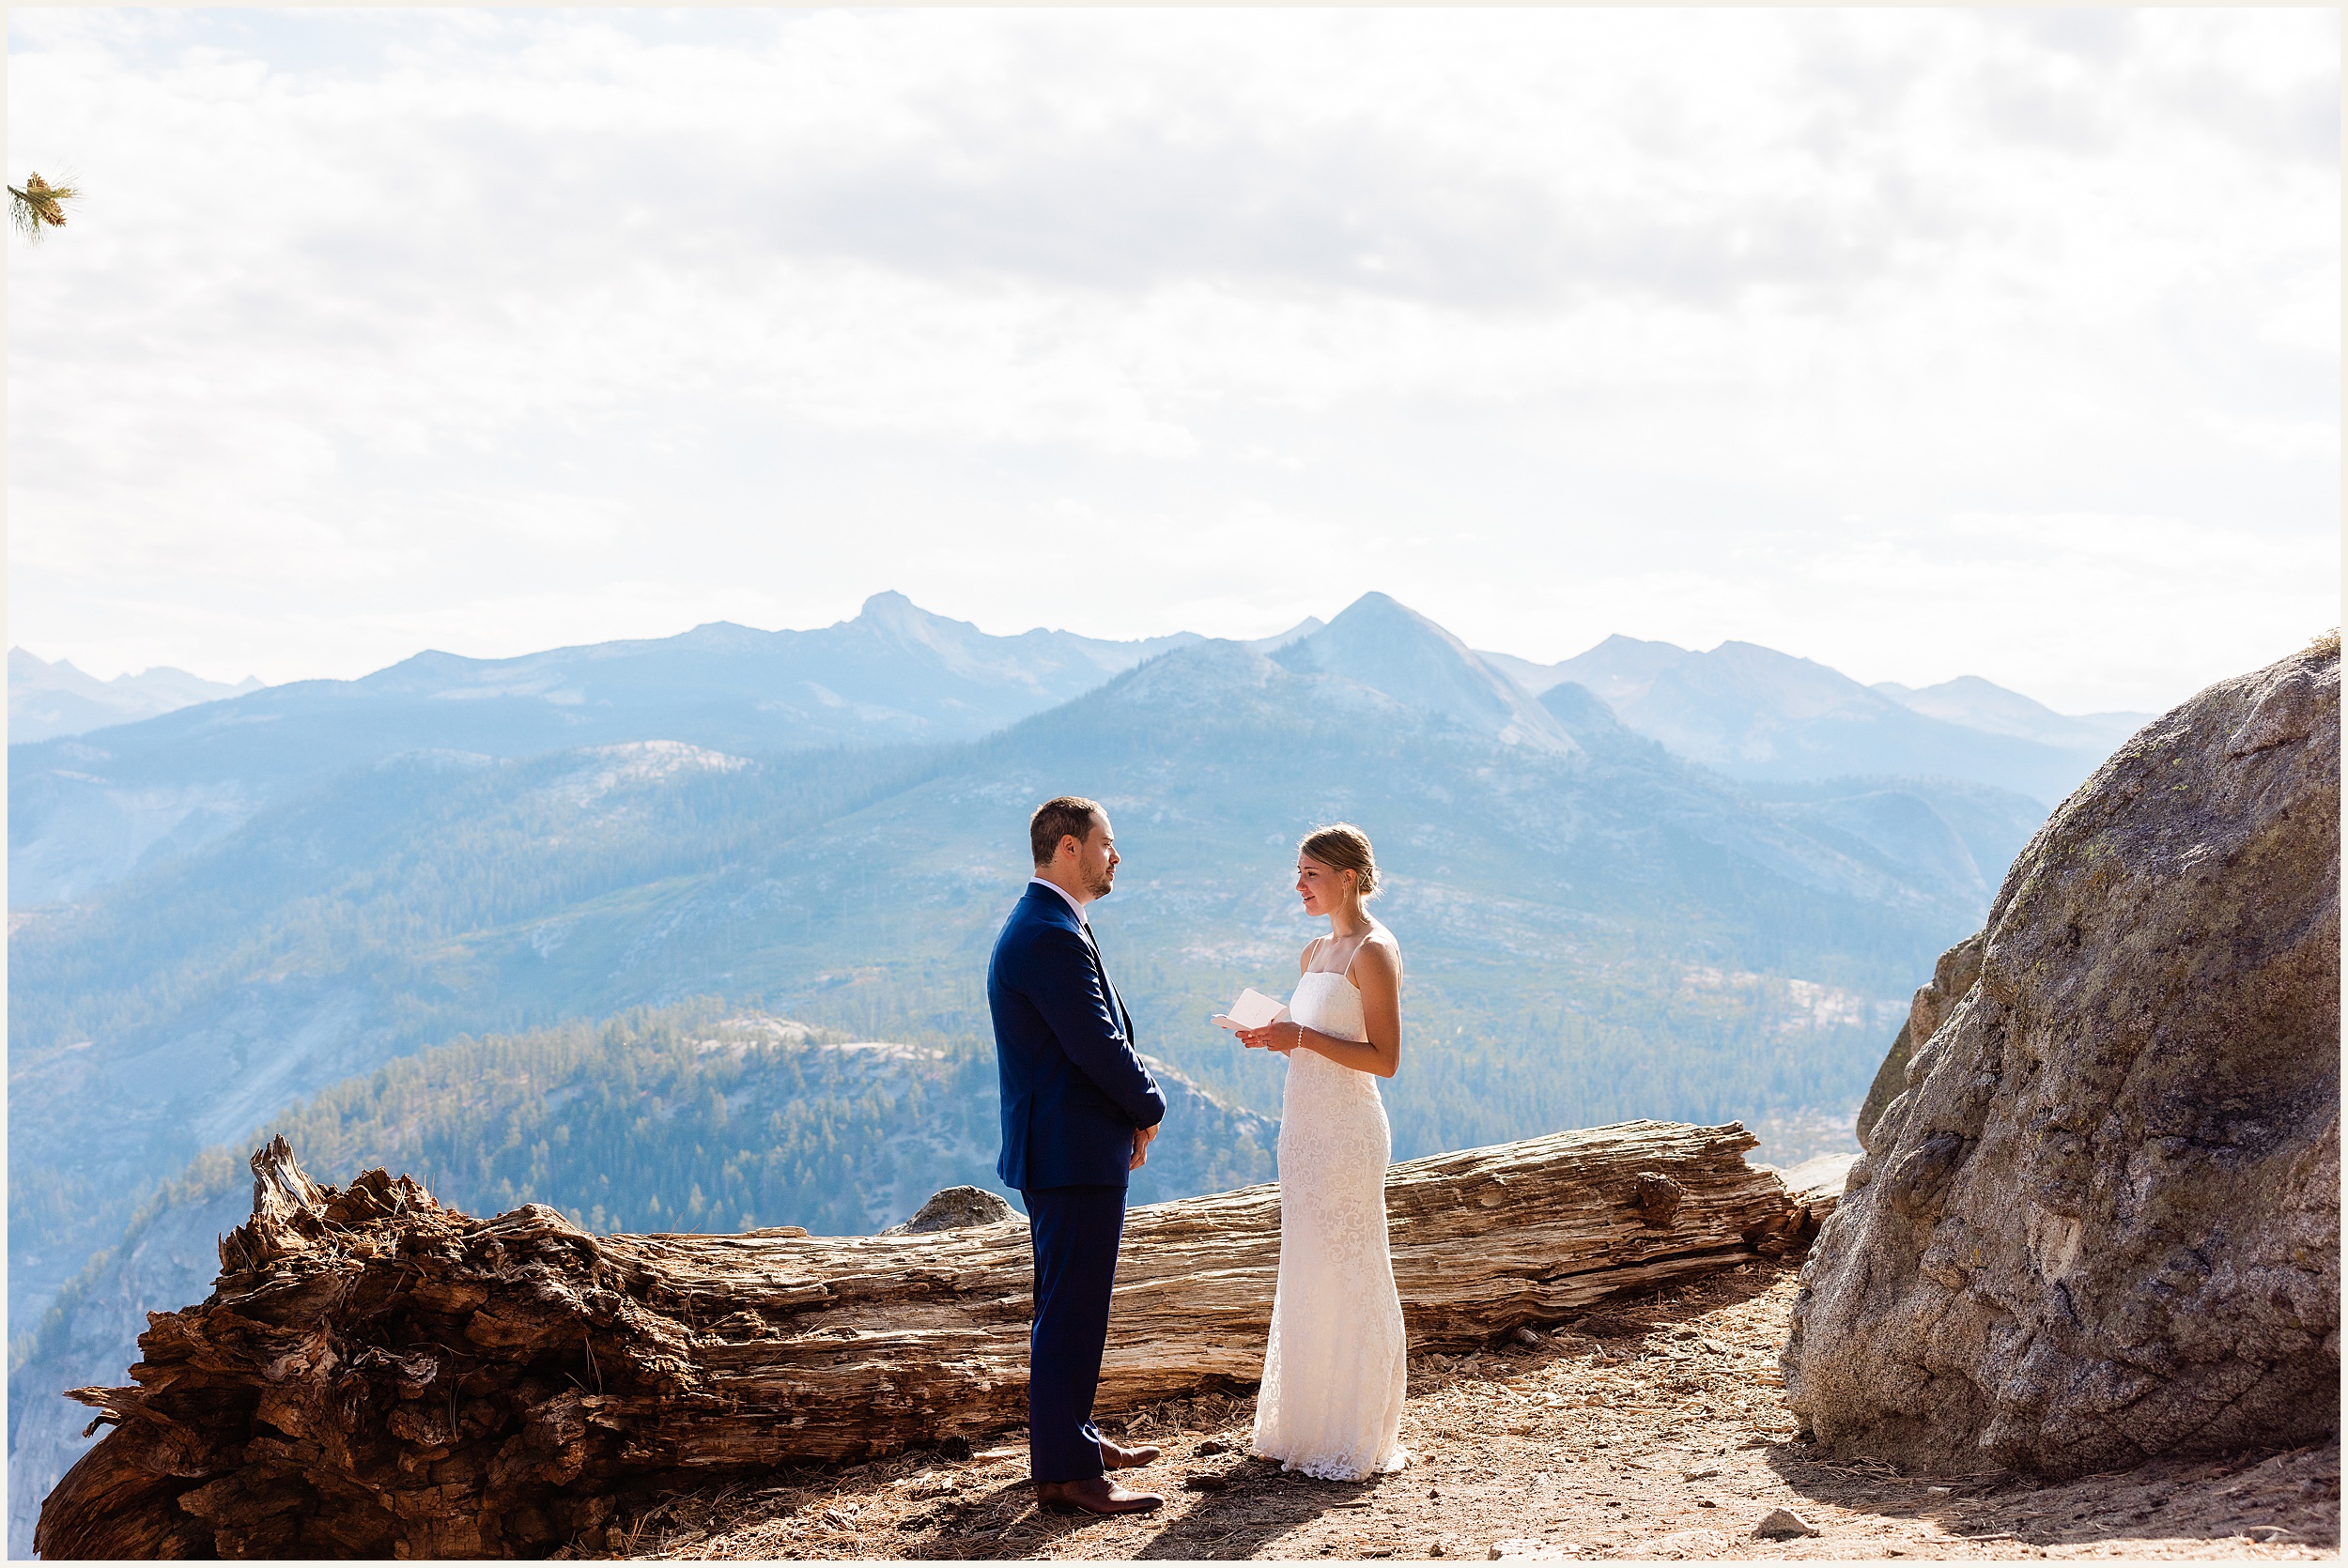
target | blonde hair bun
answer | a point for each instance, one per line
(1343, 847)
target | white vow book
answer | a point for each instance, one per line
(1253, 1010)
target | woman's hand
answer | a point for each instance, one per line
(1279, 1039)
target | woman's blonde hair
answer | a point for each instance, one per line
(1343, 847)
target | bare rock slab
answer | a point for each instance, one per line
(2099, 1220)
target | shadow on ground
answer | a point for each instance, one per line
(1256, 1509)
(2230, 1498)
(1247, 1507)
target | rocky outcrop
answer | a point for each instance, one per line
(2099, 1219)
(953, 1209)
(1952, 978)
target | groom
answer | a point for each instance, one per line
(1079, 1110)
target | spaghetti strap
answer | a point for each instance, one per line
(1351, 952)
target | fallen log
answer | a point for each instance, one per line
(376, 1375)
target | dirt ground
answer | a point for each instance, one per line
(1651, 1429)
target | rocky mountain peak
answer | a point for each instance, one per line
(1621, 668)
(1392, 648)
(893, 612)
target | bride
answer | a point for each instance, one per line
(1330, 1403)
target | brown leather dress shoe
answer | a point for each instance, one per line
(1094, 1495)
(1117, 1457)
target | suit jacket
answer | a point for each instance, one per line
(1074, 1088)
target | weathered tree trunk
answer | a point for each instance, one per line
(376, 1375)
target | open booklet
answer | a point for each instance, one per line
(1253, 1010)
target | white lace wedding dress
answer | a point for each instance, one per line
(1334, 1371)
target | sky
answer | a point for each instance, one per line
(1921, 344)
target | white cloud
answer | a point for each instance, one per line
(491, 330)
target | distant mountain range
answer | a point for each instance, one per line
(86, 812)
(1754, 713)
(1971, 701)
(1620, 892)
(46, 700)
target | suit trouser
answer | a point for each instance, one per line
(1074, 1231)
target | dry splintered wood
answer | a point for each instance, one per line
(376, 1375)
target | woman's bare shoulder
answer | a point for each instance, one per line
(1305, 959)
(1380, 953)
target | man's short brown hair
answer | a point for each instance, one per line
(1058, 818)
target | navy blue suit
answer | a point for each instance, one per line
(1075, 1092)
